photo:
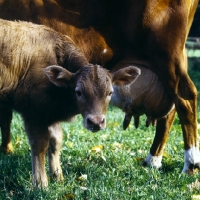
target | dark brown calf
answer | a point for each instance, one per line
(44, 93)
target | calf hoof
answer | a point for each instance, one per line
(42, 184)
(57, 177)
(7, 149)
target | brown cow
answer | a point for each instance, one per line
(153, 33)
(44, 93)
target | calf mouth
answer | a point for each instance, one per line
(94, 129)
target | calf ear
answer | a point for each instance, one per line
(126, 75)
(58, 75)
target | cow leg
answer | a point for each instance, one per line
(5, 123)
(39, 138)
(182, 90)
(55, 145)
(163, 126)
(186, 105)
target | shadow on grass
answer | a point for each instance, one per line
(172, 166)
(14, 169)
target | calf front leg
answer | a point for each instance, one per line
(39, 141)
(55, 145)
(163, 127)
(5, 123)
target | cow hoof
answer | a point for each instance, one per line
(197, 165)
(193, 168)
(153, 161)
(145, 164)
(192, 160)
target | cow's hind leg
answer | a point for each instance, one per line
(163, 127)
(5, 123)
(186, 105)
(55, 145)
(174, 76)
(39, 138)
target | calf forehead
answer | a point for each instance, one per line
(95, 79)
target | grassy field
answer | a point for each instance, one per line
(104, 165)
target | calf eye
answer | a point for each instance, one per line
(78, 93)
(110, 94)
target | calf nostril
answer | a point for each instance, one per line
(89, 121)
(102, 121)
(94, 121)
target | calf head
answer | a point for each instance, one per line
(92, 86)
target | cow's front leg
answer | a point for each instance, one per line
(163, 127)
(55, 145)
(5, 122)
(39, 141)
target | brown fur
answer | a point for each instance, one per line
(151, 32)
(44, 93)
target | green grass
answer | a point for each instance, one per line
(113, 173)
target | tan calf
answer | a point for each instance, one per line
(44, 93)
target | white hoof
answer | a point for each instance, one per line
(153, 161)
(191, 157)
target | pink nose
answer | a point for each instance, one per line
(95, 122)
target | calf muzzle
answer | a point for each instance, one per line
(95, 123)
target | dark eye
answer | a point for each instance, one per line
(78, 93)
(110, 94)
